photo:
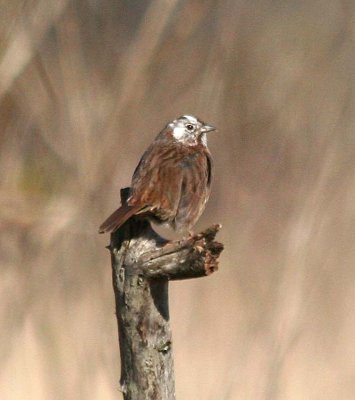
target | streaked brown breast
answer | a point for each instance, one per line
(174, 180)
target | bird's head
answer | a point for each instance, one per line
(189, 130)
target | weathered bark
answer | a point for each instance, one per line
(142, 264)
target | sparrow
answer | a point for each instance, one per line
(171, 184)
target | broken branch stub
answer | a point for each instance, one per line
(142, 264)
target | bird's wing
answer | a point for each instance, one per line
(157, 179)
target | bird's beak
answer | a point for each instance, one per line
(207, 128)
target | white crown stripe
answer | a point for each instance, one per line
(190, 118)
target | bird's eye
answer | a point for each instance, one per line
(190, 127)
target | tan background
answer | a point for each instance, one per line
(84, 88)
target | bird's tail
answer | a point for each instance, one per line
(118, 218)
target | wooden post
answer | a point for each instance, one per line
(142, 264)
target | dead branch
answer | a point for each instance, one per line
(142, 264)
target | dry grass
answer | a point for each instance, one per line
(84, 87)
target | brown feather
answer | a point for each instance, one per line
(118, 218)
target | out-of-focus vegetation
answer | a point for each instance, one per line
(84, 88)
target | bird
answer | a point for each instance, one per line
(172, 181)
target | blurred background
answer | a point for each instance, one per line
(85, 86)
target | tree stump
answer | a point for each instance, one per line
(142, 265)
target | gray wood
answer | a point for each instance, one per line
(142, 264)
